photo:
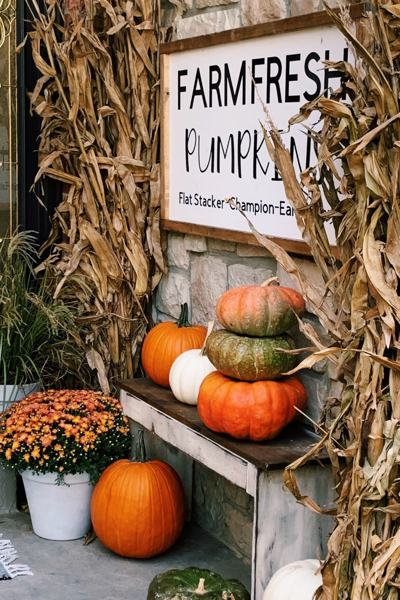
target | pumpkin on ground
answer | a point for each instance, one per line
(195, 584)
(295, 581)
(257, 411)
(260, 310)
(250, 358)
(138, 508)
(166, 341)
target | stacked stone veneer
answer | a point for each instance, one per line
(201, 269)
(190, 18)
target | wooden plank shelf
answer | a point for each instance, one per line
(292, 443)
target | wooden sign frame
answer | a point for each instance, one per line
(313, 20)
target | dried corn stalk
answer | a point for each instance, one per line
(360, 126)
(99, 100)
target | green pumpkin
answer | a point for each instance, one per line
(250, 358)
(195, 584)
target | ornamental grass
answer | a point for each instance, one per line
(64, 432)
(38, 335)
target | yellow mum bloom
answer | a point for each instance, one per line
(26, 457)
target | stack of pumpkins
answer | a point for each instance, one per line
(242, 397)
(230, 374)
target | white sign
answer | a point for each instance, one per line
(216, 145)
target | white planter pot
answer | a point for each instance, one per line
(59, 512)
(14, 393)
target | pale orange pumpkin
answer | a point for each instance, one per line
(138, 508)
(168, 340)
(260, 310)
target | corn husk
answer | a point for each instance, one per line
(99, 99)
(360, 306)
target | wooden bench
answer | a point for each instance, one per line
(283, 531)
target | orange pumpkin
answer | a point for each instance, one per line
(166, 341)
(257, 411)
(260, 310)
(138, 508)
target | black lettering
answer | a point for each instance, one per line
(276, 177)
(187, 140)
(291, 77)
(256, 148)
(271, 209)
(240, 82)
(313, 76)
(308, 152)
(254, 63)
(214, 85)
(293, 151)
(210, 158)
(240, 155)
(198, 90)
(329, 73)
(181, 88)
(282, 208)
(274, 79)
(220, 149)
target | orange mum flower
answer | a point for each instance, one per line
(36, 452)
(46, 441)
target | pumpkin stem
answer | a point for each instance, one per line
(140, 449)
(183, 320)
(200, 587)
(209, 330)
(269, 281)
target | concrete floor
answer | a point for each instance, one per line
(71, 571)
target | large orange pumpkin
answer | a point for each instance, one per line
(260, 310)
(168, 340)
(257, 411)
(138, 508)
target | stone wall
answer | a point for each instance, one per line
(190, 18)
(224, 510)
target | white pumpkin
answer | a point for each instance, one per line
(187, 374)
(295, 581)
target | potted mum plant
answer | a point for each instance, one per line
(37, 333)
(61, 441)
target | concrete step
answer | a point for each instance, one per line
(71, 571)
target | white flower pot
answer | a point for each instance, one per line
(14, 393)
(59, 512)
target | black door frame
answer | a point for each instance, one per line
(31, 215)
